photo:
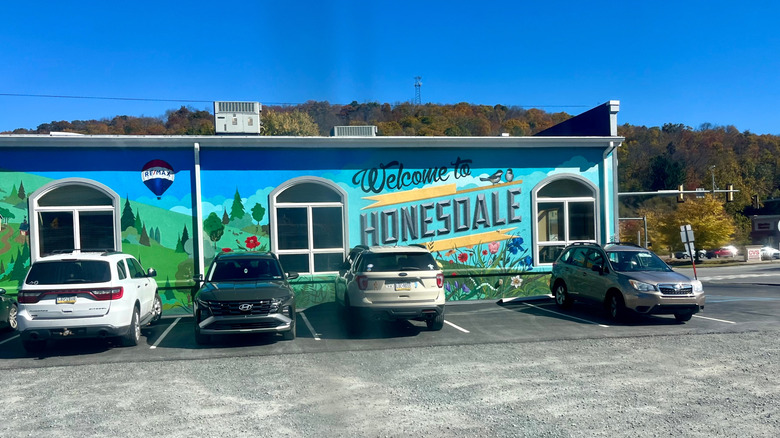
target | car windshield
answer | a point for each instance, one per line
(626, 261)
(395, 261)
(69, 272)
(245, 270)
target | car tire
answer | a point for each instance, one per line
(200, 338)
(12, 324)
(683, 317)
(33, 347)
(156, 309)
(436, 323)
(289, 335)
(562, 298)
(133, 335)
(616, 307)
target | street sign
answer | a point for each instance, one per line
(686, 233)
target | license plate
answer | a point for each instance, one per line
(403, 286)
(69, 299)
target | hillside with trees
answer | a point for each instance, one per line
(651, 158)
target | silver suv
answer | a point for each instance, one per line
(391, 283)
(624, 277)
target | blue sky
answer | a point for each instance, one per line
(689, 62)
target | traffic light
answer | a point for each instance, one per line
(729, 194)
(681, 195)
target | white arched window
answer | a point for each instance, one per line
(308, 232)
(565, 211)
(74, 214)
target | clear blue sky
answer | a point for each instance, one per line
(688, 62)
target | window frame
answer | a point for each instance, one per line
(564, 221)
(310, 251)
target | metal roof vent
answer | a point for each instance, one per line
(354, 131)
(237, 117)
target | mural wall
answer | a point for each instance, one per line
(471, 207)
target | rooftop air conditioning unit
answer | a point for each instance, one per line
(354, 131)
(242, 118)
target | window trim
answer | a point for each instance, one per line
(273, 205)
(536, 200)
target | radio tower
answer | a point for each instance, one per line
(417, 86)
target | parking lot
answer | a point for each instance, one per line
(496, 369)
(729, 308)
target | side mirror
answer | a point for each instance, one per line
(151, 272)
(292, 275)
(2, 291)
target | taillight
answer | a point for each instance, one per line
(113, 293)
(28, 297)
(107, 294)
(439, 280)
(362, 282)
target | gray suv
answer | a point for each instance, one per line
(623, 278)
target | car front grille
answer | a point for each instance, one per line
(260, 325)
(675, 289)
(238, 308)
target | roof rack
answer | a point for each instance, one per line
(625, 244)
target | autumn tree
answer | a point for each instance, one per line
(294, 123)
(712, 226)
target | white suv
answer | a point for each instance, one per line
(86, 294)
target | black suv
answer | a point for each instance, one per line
(245, 292)
(623, 277)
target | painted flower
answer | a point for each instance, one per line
(449, 253)
(463, 257)
(528, 262)
(493, 247)
(227, 250)
(251, 242)
(484, 252)
(515, 245)
(517, 281)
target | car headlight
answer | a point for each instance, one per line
(276, 304)
(697, 286)
(642, 286)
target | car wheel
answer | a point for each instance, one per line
(134, 333)
(33, 347)
(156, 309)
(562, 298)
(617, 308)
(683, 317)
(436, 323)
(12, 312)
(200, 338)
(290, 334)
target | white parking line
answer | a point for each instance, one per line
(455, 326)
(165, 333)
(714, 319)
(9, 339)
(311, 329)
(566, 316)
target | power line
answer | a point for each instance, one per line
(143, 99)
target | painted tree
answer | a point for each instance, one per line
(258, 212)
(128, 218)
(213, 227)
(21, 193)
(237, 209)
(137, 224)
(144, 239)
(179, 245)
(185, 236)
(225, 218)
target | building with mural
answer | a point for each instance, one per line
(494, 211)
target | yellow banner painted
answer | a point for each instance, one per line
(426, 193)
(469, 240)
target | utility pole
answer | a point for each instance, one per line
(712, 169)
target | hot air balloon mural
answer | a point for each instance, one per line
(158, 176)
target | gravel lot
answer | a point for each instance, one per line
(693, 385)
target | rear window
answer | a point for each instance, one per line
(385, 262)
(245, 270)
(69, 272)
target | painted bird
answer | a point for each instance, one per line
(509, 175)
(494, 178)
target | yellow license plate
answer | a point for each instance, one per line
(403, 286)
(69, 299)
